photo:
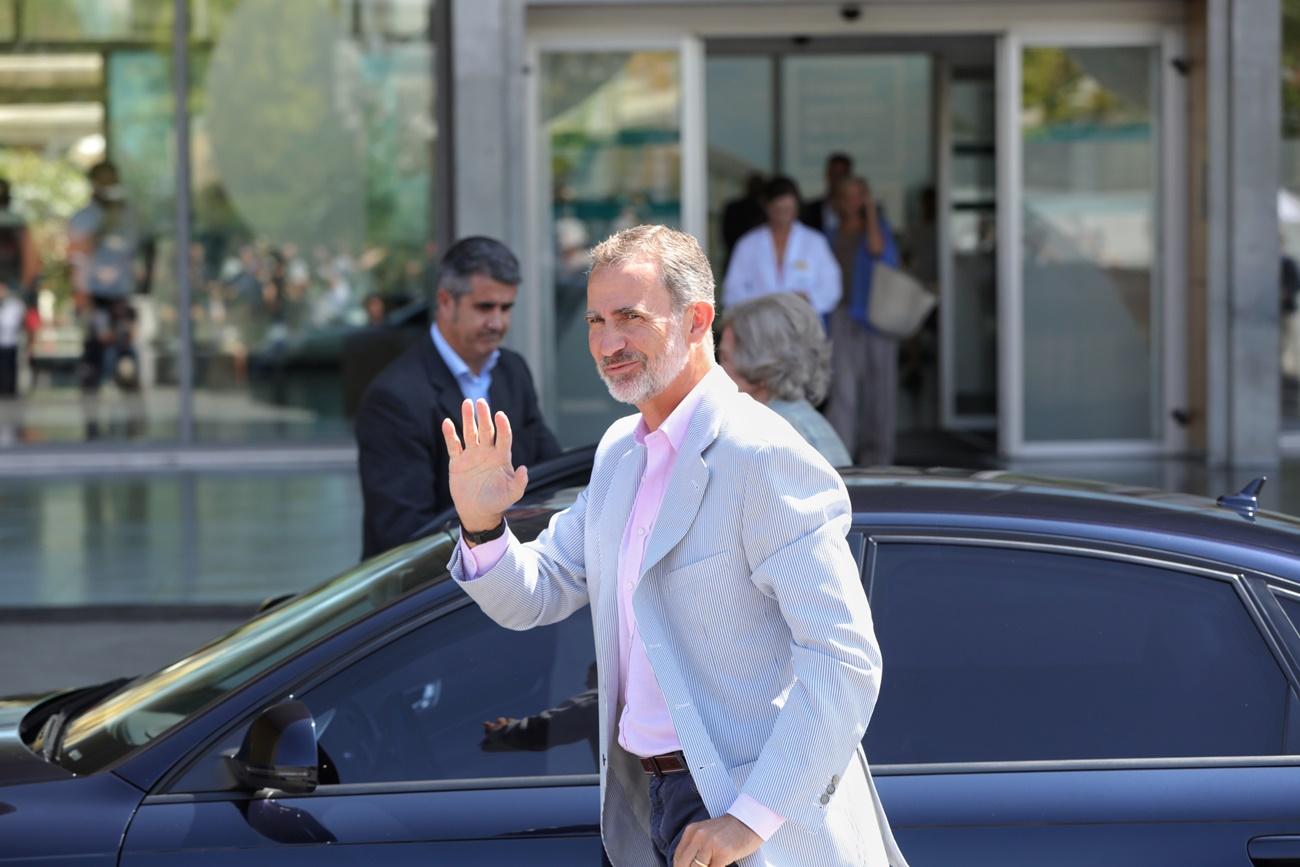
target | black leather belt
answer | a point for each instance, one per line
(668, 763)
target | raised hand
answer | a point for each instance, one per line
(482, 479)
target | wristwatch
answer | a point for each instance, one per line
(486, 535)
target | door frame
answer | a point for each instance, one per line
(1170, 260)
(540, 329)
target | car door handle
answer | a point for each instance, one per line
(1282, 851)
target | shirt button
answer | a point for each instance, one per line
(640, 531)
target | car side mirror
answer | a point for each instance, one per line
(279, 751)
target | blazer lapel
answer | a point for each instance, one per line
(690, 476)
(446, 391)
(615, 508)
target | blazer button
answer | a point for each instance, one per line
(835, 780)
(830, 790)
(825, 799)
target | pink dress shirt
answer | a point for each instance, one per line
(645, 728)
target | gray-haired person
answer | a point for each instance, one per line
(402, 455)
(775, 350)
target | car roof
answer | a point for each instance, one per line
(893, 495)
(1011, 494)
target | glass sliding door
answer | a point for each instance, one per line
(1087, 268)
(968, 201)
(610, 134)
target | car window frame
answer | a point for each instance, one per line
(163, 793)
(1239, 579)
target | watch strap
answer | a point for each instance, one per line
(484, 536)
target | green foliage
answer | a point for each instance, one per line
(1290, 68)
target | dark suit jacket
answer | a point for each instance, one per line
(402, 455)
(811, 214)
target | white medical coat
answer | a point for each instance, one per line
(809, 268)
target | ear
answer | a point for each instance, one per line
(701, 315)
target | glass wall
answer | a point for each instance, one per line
(611, 124)
(1089, 125)
(312, 139)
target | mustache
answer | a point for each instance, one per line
(618, 358)
(493, 333)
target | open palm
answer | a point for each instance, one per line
(483, 481)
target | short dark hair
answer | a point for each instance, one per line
(102, 168)
(840, 157)
(779, 186)
(487, 257)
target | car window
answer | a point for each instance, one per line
(996, 653)
(156, 703)
(1291, 606)
(457, 698)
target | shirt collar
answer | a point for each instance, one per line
(455, 363)
(679, 420)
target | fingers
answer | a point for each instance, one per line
(520, 483)
(687, 848)
(483, 417)
(505, 436)
(467, 425)
(449, 434)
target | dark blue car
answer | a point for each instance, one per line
(1074, 675)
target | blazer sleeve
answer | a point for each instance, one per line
(796, 515)
(397, 467)
(537, 583)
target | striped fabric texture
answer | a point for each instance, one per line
(754, 620)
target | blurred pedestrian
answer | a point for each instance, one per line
(820, 214)
(863, 400)
(743, 213)
(775, 350)
(783, 255)
(402, 453)
(12, 310)
(19, 269)
(103, 243)
(20, 264)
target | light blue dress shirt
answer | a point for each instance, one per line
(472, 386)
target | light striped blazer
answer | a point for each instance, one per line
(754, 620)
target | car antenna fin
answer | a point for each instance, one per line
(1246, 501)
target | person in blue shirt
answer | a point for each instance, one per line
(863, 399)
(401, 453)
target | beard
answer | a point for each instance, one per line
(655, 375)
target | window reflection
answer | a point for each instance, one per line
(312, 198)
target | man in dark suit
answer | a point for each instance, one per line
(820, 213)
(401, 449)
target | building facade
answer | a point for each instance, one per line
(1093, 190)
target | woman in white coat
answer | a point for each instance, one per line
(783, 255)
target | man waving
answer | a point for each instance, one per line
(737, 662)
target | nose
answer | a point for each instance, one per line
(608, 342)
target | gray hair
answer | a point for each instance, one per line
(683, 267)
(487, 257)
(781, 346)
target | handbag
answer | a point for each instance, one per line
(899, 303)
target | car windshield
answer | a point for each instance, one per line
(152, 705)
